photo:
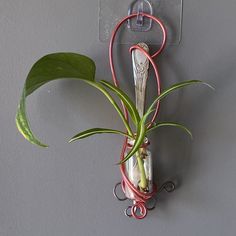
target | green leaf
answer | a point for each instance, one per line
(23, 124)
(115, 105)
(94, 131)
(59, 66)
(126, 100)
(51, 67)
(142, 127)
(173, 124)
(173, 88)
(141, 133)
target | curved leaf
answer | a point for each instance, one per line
(142, 128)
(23, 124)
(59, 66)
(94, 131)
(126, 100)
(112, 101)
(51, 67)
(173, 88)
(173, 124)
(141, 132)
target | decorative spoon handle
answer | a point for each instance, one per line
(140, 70)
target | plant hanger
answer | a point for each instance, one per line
(135, 159)
(140, 59)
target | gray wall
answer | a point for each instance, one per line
(67, 189)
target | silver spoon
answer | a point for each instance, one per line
(140, 70)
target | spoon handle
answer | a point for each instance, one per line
(140, 70)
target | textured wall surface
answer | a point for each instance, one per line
(67, 189)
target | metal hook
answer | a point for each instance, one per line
(127, 211)
(115, 193)
(153, 206)
(140, 6)
(168, 186)
(139, 16)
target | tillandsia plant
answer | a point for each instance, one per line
(76, 66)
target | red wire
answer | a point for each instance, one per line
(139, 197)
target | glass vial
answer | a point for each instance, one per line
(133, 170)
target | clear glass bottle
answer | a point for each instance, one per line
(133, 170)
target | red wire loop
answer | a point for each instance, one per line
(138, 210)
(139, 206)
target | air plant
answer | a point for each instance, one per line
(76, 66)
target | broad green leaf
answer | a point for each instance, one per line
(172, 124)
(126, 100)
(51, 67)
(23, 124)
(94, 131)
(173, 88)
(141, 132)
(59, 66)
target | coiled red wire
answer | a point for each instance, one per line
(140, 198)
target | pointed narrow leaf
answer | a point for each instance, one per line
(126, 100)
(173, 88)
(94, 131)
(112, 101)
(173, 124)
(142, 127)
(141, 132)
(51, 67)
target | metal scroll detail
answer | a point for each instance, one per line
(168, 186)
